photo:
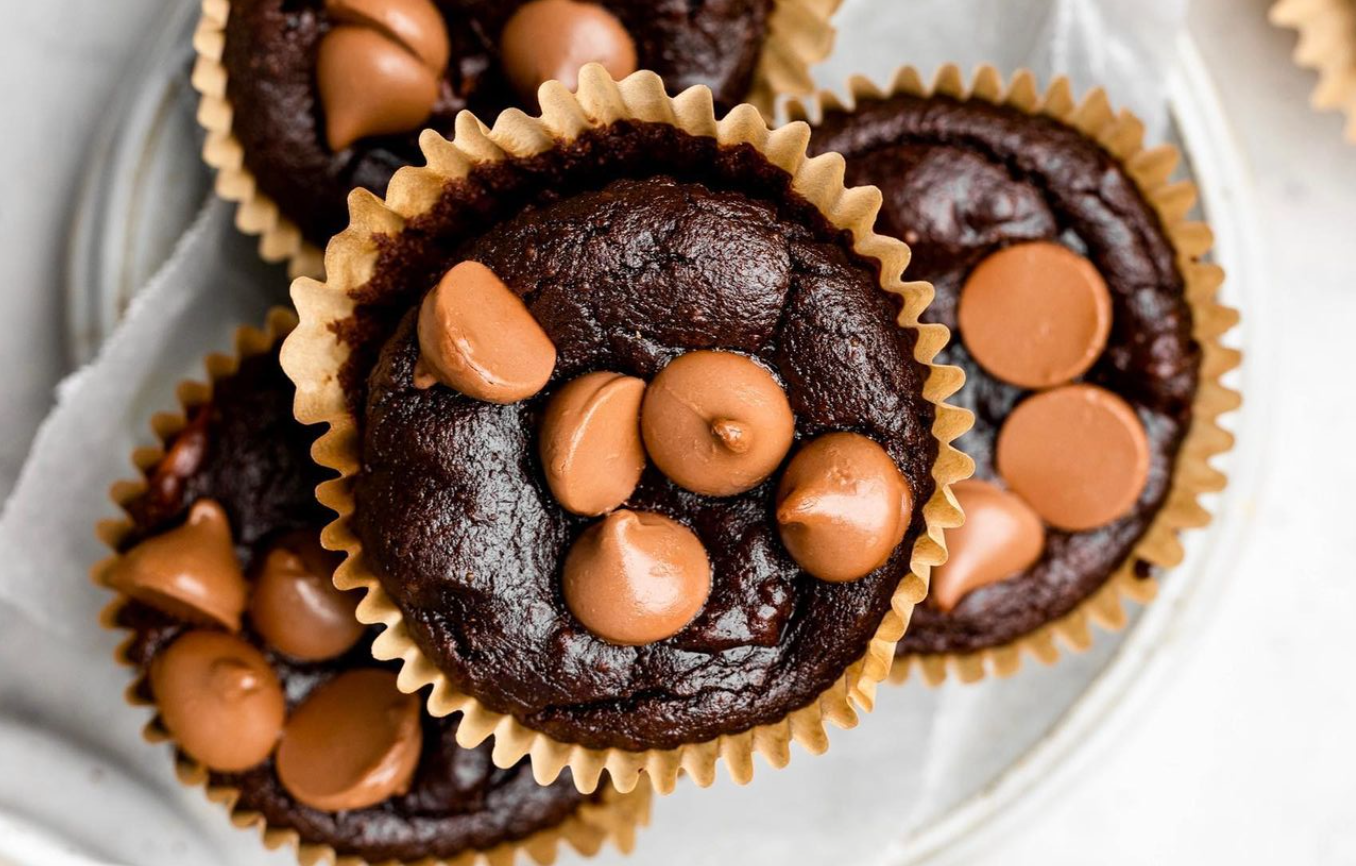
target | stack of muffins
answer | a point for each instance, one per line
(639, 442)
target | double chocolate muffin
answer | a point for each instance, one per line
(628, 278)
(264, 679)
(644, 449)
(1068, 302)
(330, 95)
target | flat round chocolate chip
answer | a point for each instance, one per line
(1078, 455)
(548, 40)
(1035, 314)
(295, 605)
(590, 442)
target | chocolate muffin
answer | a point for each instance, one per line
(264, 679)
(628, 278)
(330, 95)
(1067, 295)
(644, 454)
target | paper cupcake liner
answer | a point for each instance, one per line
(799, 36)
(1121, 134)
(1327, 44)
(312, 355)
(615, 819)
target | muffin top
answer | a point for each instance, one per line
(1069, 316)
(329, 95)
(230, 511)
(646, 254)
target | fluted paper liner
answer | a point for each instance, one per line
(798, 36)
(1327, 45)
(312, 356)
(1121, 134)
(615, 819)
(280, 239)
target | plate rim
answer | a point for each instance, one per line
(1174, 622)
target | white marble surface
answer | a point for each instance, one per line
(1247, 754)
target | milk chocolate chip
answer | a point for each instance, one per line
(190, 572)
(590, 442)
(716, 423)
(165, 485)
(295, 605)
(1036, 314)
(1001, 537)
(220, 698)
(415, 25)
(379, 71)
(1078, 455)
(352, 744)
(843, 507)
(477, 337)
(552, 39)
(634, 578)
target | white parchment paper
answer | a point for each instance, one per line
(71, 760)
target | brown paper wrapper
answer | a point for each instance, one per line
(312, 355)
(1121, 134)
(799, 36)
(1327, 44)
(614, 819)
